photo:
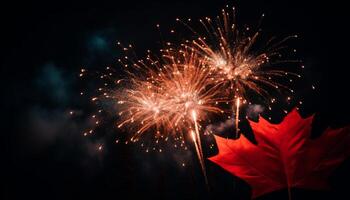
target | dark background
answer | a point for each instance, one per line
(45, 45)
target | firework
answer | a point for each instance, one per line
(175, 97)
(233, 62)
(165, 99)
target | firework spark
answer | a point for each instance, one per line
(237, 116)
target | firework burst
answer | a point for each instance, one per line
(173, 99)
(164, 99)
(233, 62)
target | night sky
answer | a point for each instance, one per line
(46, 44)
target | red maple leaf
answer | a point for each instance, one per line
(285, 156)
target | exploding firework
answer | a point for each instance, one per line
(165, 99)
(175, 97)
(234, 63)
